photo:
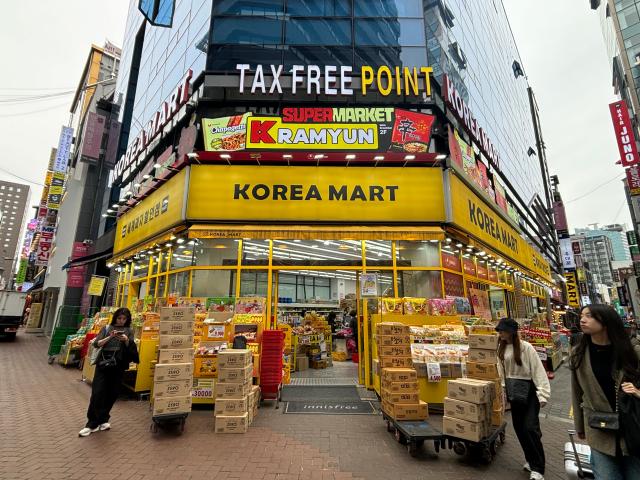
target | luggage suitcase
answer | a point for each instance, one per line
(577, 459)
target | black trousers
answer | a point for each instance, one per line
(104, 393)
(526, 423)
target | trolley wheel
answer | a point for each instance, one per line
(450, 442)
(459, 448)
(486, 455)
(154, 427)
(182, 424)
(389, 427)
(436, 446)
(503, 437)
(493, 447)
(413, 447)
(51, 360)
(400, 437)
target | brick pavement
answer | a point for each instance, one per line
(42, 407)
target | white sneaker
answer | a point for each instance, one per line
(536, 476)
(526, 467)
(105, 426)
(86, 431)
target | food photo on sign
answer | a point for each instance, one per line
(376, 129)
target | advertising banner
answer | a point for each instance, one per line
(480, 303)
(633, 179)
(375, 129)
(64, 150)
(572, 289)
(96, 285)
(624, 133)
(92, 137)
(22, 270)
(566, 251)
(76, 275)
(560, 217)
(315, 194)
(368, 285)
(44, 245)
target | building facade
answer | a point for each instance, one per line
(617, 234)
(14, 198)
(295, 151)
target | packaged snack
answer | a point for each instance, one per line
(250, 305)
(462, 305)
(441, 307)
(390, 305)
(415, 306)
(226, 134)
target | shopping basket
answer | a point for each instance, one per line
(271, 351)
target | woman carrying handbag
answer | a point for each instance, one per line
(527, 389)
(605, 372)
(114, 350)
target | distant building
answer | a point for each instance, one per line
(597, 251)
(617, 234)
(14, 198)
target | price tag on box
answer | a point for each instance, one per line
(434, 374)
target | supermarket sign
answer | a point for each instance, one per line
(573, 295)
(374, 129)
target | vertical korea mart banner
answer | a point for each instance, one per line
(624, 133)
(633, 179)
(573, 295)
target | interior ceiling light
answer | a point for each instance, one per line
(448, 240)
(179, 241)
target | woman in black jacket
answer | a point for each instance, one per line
(118, 351)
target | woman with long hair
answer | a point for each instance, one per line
(604, 366)
(528, 389)
(118, 351)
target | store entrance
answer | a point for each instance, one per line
(320, 310)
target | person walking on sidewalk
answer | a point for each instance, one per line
(604, 366)
(528, 389)
(118, 351)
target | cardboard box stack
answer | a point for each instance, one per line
(470, 402)
(173, 373)
(235, 397)
(483, 365)
(399, 380)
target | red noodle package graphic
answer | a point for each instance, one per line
(411, 131)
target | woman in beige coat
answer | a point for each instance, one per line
(604, 366)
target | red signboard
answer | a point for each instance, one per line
(633, 179)
(493, 275)
(624, 133)
(452, 262)
(76, 275)
(469, 266)
(483, 272)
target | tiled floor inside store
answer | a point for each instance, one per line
(341, 373)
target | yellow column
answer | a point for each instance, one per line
(238, 268)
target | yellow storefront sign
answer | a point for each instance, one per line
(273, 133)
(161, 210)
(315, 194)
(469, 212)
(573, 295)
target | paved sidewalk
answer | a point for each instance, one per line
(42, 407)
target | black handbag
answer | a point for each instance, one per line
(518, 390)
(108, 362)
(606, 421)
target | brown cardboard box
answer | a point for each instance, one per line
(420, 368)
(175, 341)
(254, 396)
(400, 397)
(232, 406)
(396, 362)
(482, 356)
(302, 363)
(397, 387)
(235, 375)
(234, 358)
(232, 390)
(469, 390)
(176, 328)
(173, 371)
(392, 328)
(463, 429)
(418, 411)
(179, 314)
(399, 375)
(171, 405)
(181, 355)
(232, 423)
(394, 350)
(172, 388)
(466, 411)
(485, 342)
(482, 371)
(393, 340)
(497, 418)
